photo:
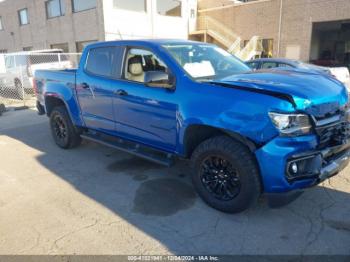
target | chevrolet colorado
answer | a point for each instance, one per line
(272, 132)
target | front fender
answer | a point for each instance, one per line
(233, 112)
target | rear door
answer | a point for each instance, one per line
(94, 89)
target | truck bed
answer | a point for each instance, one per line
(61, 78)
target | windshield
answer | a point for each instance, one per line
(206, 62)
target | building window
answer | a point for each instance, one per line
(169, 7)
(1, 26)
(28, 48)
(81, 45)
(54, 8)
(3, 51)
(267, 48)
(134, 5)
(81, 5)
(63, 47)
(23, 16)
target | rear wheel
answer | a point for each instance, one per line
(63, 131)
(225, 174)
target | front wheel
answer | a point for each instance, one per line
(225, 174)
(63, 131)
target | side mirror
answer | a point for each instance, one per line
(159, 79)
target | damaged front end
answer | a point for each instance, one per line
(307, 160)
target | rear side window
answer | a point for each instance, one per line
(105, 61)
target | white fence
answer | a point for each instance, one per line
(17, 71)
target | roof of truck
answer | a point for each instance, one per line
(145, 42)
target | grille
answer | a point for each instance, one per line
(333, 134)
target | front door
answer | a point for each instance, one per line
(145, 114)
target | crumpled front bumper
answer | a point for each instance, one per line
(337, 164)
(276, 156)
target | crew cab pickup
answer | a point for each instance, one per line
(246, 134)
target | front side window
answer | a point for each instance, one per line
(134, 5)
(81, 5)
(140, 61)
(23, 16)
(206, 62)
(1, 26)
(54, 8)
(169, 7)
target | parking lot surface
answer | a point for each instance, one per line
(95, 200)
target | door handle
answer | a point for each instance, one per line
(121, 92)
(85, 85)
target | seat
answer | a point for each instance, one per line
(135, 69)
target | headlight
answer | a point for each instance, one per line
(291, 124)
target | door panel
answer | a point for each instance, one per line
(94, 90)
(145, 114)
(96, 102)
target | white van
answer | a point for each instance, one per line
(20, 68)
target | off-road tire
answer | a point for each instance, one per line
(61, 122)
(243, 161)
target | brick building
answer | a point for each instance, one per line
(71, 24)
(300, 29)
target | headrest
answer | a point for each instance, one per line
(135, 65)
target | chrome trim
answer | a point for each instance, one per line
(327, 121)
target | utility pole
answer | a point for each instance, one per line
(280, 29)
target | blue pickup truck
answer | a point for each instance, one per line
(246, 134)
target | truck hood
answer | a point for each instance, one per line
(308, 91)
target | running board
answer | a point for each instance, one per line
(165, 159)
